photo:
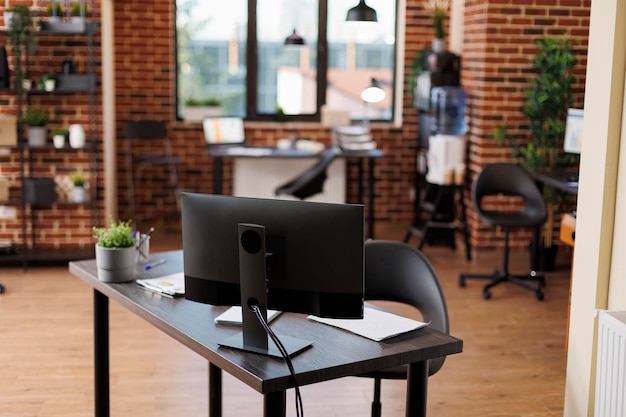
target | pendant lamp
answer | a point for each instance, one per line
(361, 13)
(294, 39)
(373, 93)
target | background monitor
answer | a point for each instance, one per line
(573, 131)
(316, 264)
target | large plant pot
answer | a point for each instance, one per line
(196, 114)
(37, 136)
(115, 264)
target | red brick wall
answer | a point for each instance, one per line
(498, 43)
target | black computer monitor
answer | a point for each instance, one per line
(307, 256)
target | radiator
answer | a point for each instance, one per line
(259, 177)
(610, 398)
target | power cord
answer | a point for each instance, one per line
(285, 355)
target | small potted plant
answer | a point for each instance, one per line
(79, 12)
(49, 81)
(59, 134)
(55, 12)
(115, 252)
(36, 120)
(79, 192)
(198, 109)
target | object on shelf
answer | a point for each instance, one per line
(8, 247)
(76, 82)
(77, 136)
(39, 191)
(8, 131)
(4, 189)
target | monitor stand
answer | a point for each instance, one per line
(252, 279)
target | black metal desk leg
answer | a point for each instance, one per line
(417, 389)
(275, 404)
(370, 200)
(215, 391)
(101, 353)
(218, 168)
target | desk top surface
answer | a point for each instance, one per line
(563, 180)
(334, 354)
(270, 152)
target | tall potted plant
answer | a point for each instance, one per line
(438, 10)
(545, 107)
(115, 252)
(22, 39)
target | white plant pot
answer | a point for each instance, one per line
(36, 136)
(50, 85)
(115, 264)
(79, 194)
(439, 45)
(58, 141)
(7, 19)
(77, 136)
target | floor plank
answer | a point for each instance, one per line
(513, 362)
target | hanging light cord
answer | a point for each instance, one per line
(285, 355)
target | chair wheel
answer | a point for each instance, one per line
(539, 295)
(486, 295)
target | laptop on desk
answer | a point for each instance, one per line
(228, 134)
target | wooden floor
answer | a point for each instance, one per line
(513, 364)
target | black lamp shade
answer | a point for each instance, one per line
(294, 39)
(361, 13)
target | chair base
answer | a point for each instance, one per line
(499, 277)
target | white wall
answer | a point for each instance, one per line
(599, 261)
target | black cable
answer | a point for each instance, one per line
(285, 355)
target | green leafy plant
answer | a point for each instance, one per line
(35, 117)
(118, 235)
(78, 179)
(545, 107)
(22, 39)
(60, 131)
(76, 10)
(438, 9)
(197, 102)
(54, 11)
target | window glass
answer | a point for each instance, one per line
(358, 52)
(211, 53)
(287, 75)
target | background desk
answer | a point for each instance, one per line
(334, 354)
(559, 180)
(221, 152)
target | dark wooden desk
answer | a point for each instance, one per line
(221, 152)
(559, 180)
(334, 354)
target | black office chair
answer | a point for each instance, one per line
(508, 180)
(140, 157)
(311, 181)
(395, 271)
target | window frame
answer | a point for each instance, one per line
(321, 68)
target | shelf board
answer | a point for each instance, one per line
(47, 256)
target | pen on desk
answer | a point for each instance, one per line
(154, 264)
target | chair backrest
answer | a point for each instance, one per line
(146, 129)
(509, 180)
(311, 181)
(395, 271)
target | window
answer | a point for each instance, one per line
(237, 55)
